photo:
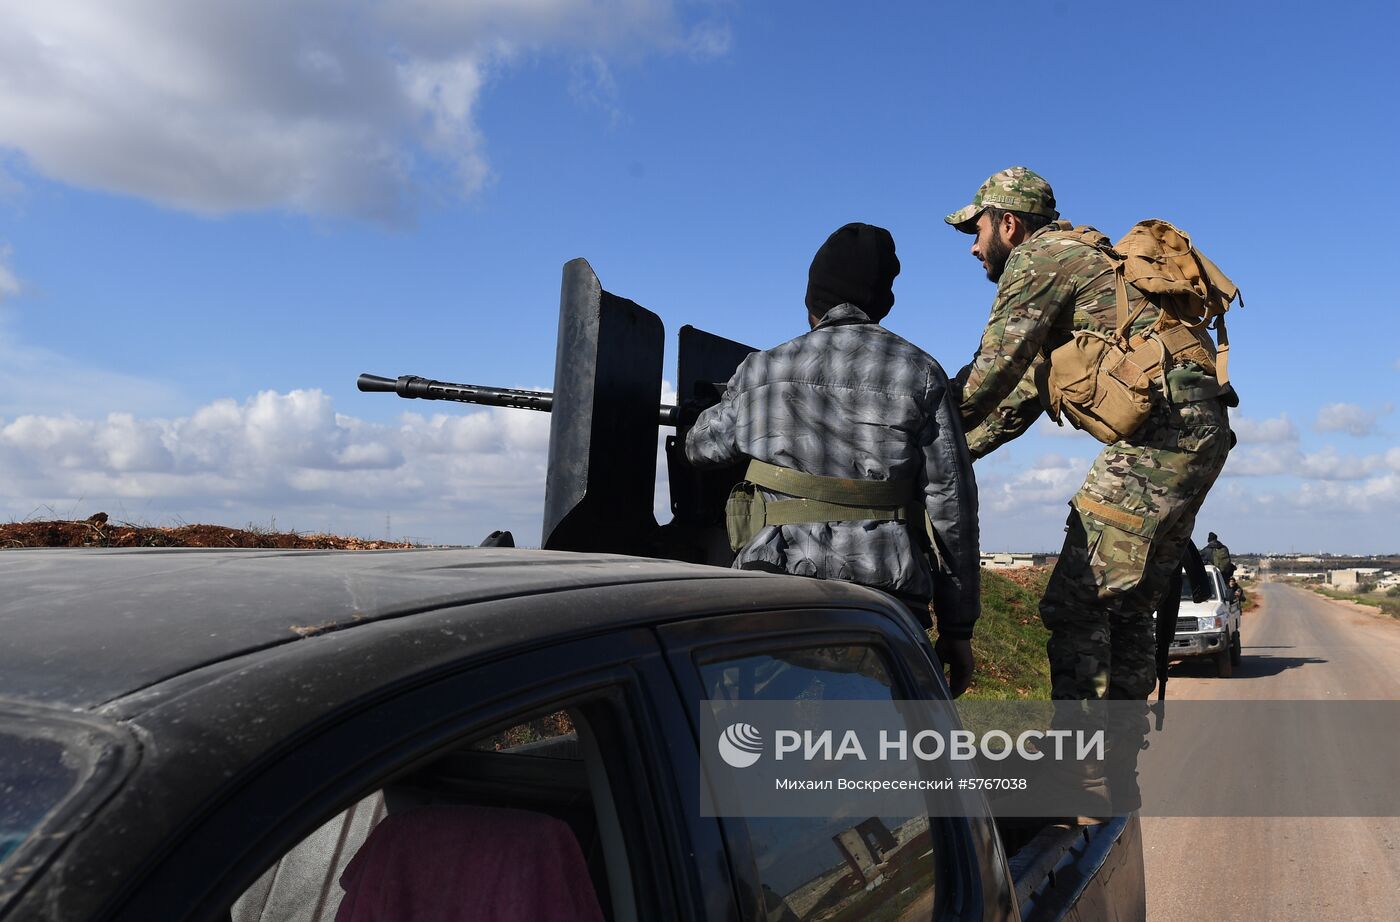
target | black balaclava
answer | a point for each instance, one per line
(856, 265)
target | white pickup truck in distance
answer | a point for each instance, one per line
(1210, 628)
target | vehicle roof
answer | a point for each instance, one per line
(81, 627)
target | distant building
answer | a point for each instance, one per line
(1348, 578)
(1006, 561)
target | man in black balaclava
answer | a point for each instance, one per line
(857, 463)
(857, 265)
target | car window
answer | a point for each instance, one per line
(552, 736)
(831, 869)
(1212, 581)
(53, 767)
(841, 673)
(524, 811)
(36, 775)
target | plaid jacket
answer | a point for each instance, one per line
(852, 399)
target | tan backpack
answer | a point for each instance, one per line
(1103, 382)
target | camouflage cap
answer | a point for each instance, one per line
(1014, 189)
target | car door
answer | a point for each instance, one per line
(795, 869)
(566, 744)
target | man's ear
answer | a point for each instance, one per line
(1011, 228)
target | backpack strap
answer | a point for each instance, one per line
(1120, 297)
(1222, 350)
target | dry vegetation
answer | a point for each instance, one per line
(97, 531)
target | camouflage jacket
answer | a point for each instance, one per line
(1051, 286)
(852, 399)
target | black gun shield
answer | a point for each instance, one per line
(601, 485)
(696, 533)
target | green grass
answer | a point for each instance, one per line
(1382, 600)
(1009, 642)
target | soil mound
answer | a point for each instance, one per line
(97, 532)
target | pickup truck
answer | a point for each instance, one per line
(1210, 628)
(484, 734)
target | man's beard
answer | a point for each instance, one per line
(997, 253)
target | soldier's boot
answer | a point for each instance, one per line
(1075, 790)
(1128, 724)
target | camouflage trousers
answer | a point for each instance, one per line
(1127, 530)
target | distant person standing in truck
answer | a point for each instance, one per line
(1218, 554)
(858, 469)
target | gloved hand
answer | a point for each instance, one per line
(706, 395)
(956, 655)
(689, 412)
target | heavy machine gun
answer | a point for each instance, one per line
(412, 386)
(605, 410)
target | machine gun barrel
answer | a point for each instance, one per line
(412, 386)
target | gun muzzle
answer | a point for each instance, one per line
(374, 383)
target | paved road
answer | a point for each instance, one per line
(1299, 646)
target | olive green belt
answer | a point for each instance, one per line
(828, 499)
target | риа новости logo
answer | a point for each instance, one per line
(740, 745)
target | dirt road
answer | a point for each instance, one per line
(1298, 646)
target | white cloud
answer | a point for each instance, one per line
(314, 106)
(592, 83)
(1325, 464)
(1330, 464)
(710, 40)
(1264, 431)
(289, 457)
(9, 282)
(1349, 418)
(1320, 499)
(1368, 496)
(1050, 480)
(1046, 426)
(448, 477)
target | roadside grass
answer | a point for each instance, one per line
(1383, 599)
(1009, 643)
(1251, 595)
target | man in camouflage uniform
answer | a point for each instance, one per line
(1131, 519)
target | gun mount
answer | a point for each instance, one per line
(604, 413)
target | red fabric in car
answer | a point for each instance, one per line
(468, 864)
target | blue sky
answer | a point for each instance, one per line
(213, 216)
